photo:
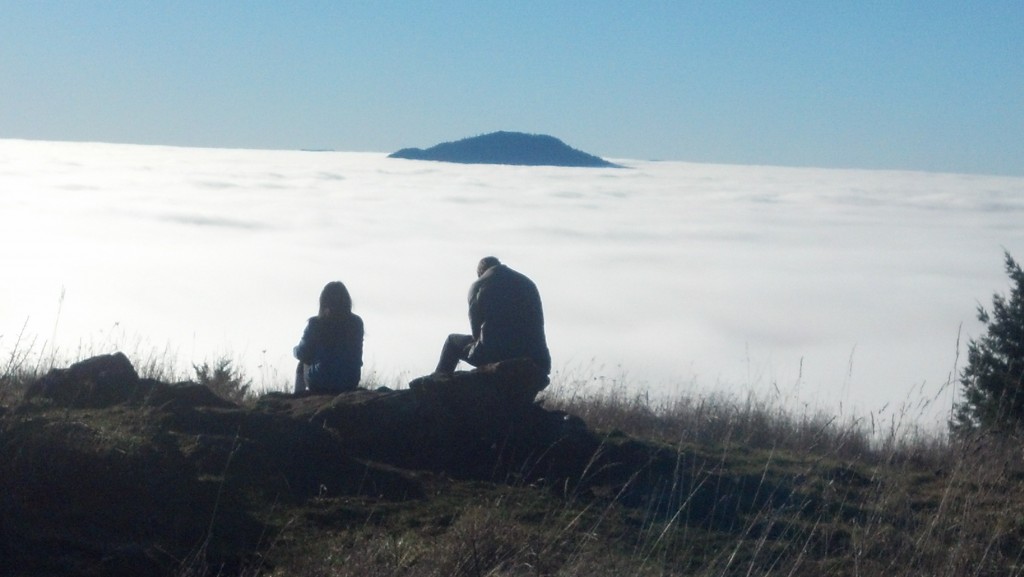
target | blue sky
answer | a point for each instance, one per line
(935, 85)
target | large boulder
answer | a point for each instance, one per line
(481, 423)
(96, 382)
(108, 380)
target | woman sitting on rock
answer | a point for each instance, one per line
(331, 350)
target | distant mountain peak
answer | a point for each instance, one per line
(505, 147)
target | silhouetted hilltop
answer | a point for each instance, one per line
(506, 148)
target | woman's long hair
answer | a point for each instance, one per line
(335, 300)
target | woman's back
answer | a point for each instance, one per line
(331, 349)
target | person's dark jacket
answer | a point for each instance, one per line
(332, 350)
(507, 318)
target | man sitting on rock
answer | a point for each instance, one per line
(506, 318)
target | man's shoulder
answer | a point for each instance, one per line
(513, 276)
(502, 276)
(501, 271)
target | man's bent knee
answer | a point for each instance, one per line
(456, 348)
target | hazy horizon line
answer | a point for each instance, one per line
(315, 149)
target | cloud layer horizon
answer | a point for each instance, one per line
(837, 287)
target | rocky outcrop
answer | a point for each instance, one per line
(155, 472)
(480, 423)
(503, 147)
(104, 472)
(108, 380)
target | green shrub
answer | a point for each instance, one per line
(993, 380)
(224, 380)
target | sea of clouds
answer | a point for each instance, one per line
(848, 289)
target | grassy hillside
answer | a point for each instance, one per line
(182, 484)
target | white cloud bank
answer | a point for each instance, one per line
(845, 286)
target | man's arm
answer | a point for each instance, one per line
(476, 316)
